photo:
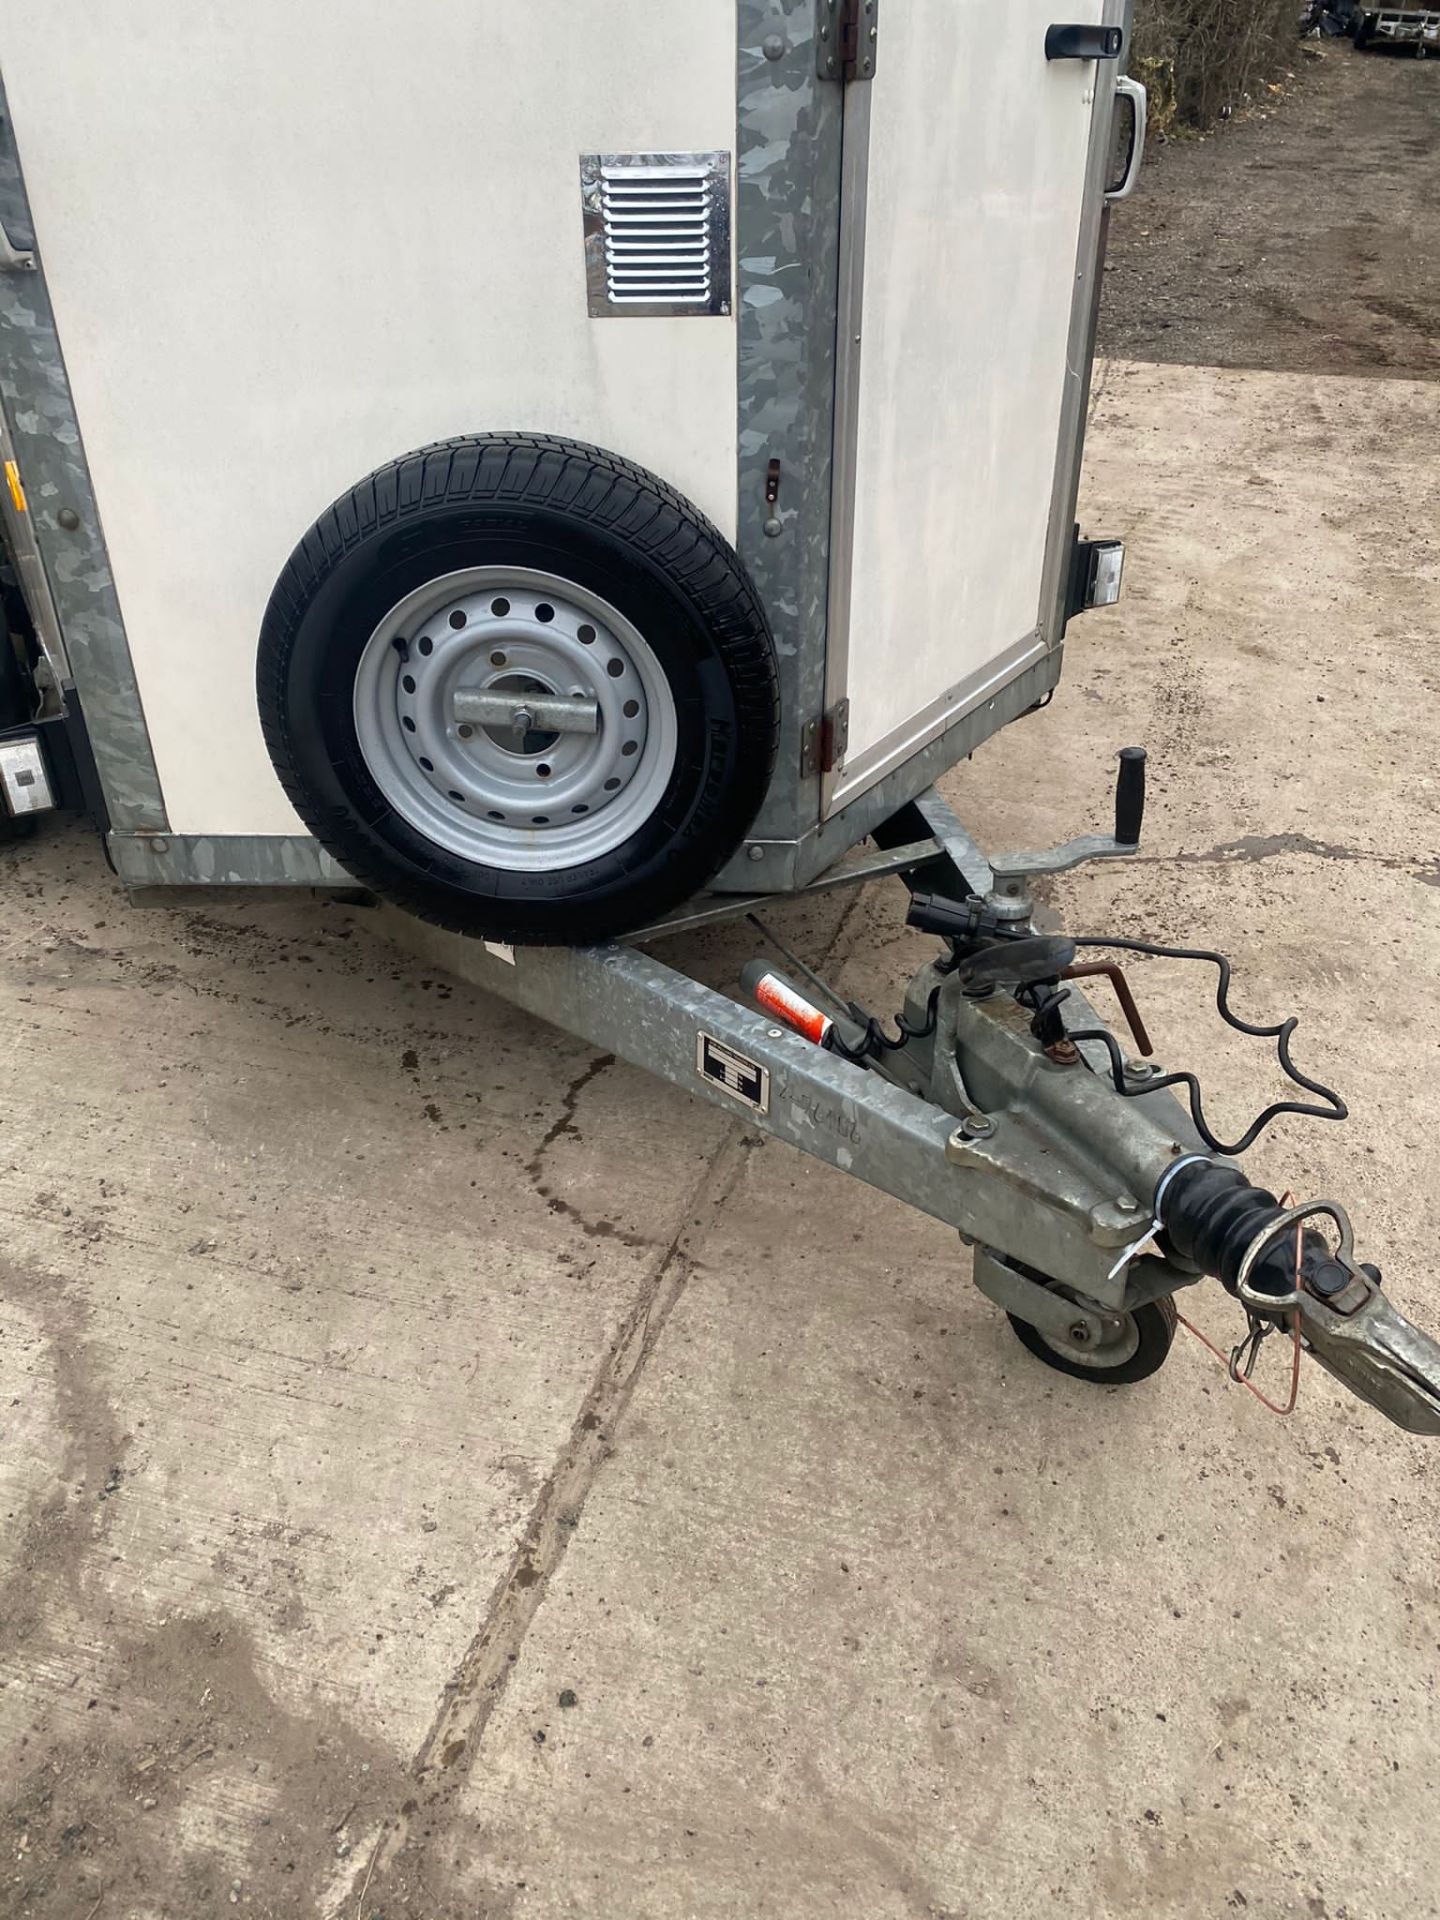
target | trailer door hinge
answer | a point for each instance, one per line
(846, 38)
(823, 743)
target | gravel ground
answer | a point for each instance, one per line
(1303, 238)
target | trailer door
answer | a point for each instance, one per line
(971, 202)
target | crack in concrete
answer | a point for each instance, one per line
(445, 1756)
(443, 1760)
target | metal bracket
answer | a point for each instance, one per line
(1051, 1312)
(846, 39)
(525, 712)
(823, 741)
(1074, 853)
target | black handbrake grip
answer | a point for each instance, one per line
(1130, 796)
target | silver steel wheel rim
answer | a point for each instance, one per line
(536, 804)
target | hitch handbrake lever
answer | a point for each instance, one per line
(1353, 1331)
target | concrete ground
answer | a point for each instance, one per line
(446, 1473)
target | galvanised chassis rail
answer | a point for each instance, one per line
(1038, 1162)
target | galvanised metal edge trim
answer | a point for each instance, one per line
(917, 729)
(786, 865)
(1080, 349)
(224, 860)
(854, 208)
(786, 214)
(36, 394)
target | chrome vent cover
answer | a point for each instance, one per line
(657, 232)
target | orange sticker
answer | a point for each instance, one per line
(17, 492)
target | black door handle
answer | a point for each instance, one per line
(1084, 43)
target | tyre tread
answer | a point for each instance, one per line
(590, 484)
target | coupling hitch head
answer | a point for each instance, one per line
(1350, 1327)
(1214, 1219)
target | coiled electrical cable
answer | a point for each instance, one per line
(875, 1042)
(1335, 1108)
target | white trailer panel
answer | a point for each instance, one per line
(974, 192)
(285, 244)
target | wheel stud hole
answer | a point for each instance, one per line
(587, 634)
(465, 732)
(407, 723)
(630, 748)
(615, 668)
(540, 820)
(630, 709)
(612, 785)
(428, 765)
(493, 815)
(457, 619)
(458, 798)
(497, 659)
(543, 771)
(499, 608)
(425, 644)
(580, 808)
(407, 681)
(545, 613)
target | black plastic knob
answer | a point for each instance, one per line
(1130, 796)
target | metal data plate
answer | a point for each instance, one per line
(744, 1079)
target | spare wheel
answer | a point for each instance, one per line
(521, 687)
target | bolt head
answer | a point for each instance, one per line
(1080, 1334)
(1127, 1203)
(773, 528)
(522, 720)
(755, 853)
(773, 48)
(68, 519)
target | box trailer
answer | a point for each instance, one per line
(577, 471)
(1417, 27)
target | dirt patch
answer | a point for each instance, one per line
(164, 1777)
(1305, 237)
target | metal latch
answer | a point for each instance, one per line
(1084, 43)
(14, 259)
(846, 38)
(823, 743)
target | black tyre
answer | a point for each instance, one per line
(1137, 1345)
(522, 567)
